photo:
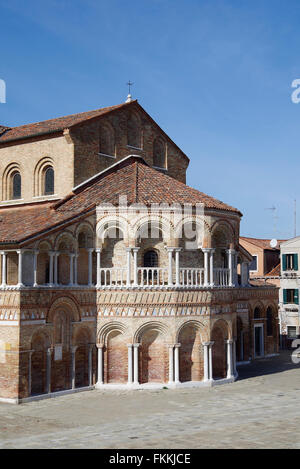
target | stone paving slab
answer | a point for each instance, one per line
(261, 410)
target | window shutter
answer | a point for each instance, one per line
(284, 296)
(283, 261)
(296, 296)
(295, 261)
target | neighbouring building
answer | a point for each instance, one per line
(114, 273)
(289, 291)
(265, 264)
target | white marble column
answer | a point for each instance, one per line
(56, 267)
(177, 267)
(51, 265)
(129, 380)
(230, 253)
(229, 359)
(35, 258)
(98, 252)
(176, 364)
(206, 360)
(136, 363)
(135, 267)
(170, 266)
(128, 276)
(100, 364)
(90, 266)
(73, 366)
(90, 364)
(48, 371)
(205, 251)
(71, 257)
(211, 267)
(171, 364)
(4, 262)
(20, 268)
(210, 360)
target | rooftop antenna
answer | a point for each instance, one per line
(295, 218)
(275, 218)
(129, 97)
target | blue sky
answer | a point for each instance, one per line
(215, 74)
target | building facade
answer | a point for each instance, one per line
(114, 273)
(265, 264)
(289, 292)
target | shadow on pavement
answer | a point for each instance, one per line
(268, 366)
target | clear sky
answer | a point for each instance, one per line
(215, 74)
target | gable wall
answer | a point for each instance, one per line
(86, 142)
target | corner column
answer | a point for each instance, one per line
(90, 364)
(20, 267)
(4, 261)
(100, 364)
(98, 252)
(210, 361)
(177, 267)
(211, 267)
(176, 367)
(128, 277)
(136, 363)
(230, 253)
(171, 364)
(135, 267)
(35, 256)
(229, 359)
(205, 251)
(129, 380)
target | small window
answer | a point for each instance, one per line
(257, 313)
(253, 264)
(291, 296)
(150, 259)
(16, 186)
(49, 181)
(290, 261)
(291, 332)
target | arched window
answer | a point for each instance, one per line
(269, 321)
(49, 181)
(150, 259)
(107, 141)
(257, 313)
(16, 186)
(133, 131)
(159, 153)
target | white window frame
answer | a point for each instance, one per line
(255, 255)
(262, 341)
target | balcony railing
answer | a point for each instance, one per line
(156, 277)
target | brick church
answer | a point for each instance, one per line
(114, 272)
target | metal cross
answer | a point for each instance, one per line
(129, 85)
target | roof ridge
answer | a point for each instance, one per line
(67, 115)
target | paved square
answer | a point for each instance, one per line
(261, 410)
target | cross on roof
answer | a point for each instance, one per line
(129, 84)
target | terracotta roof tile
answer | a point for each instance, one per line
(261, 243)
(274, 272)
(131, 177)
(53, 125)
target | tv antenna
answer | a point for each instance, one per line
(295, 218)
(275, 218)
